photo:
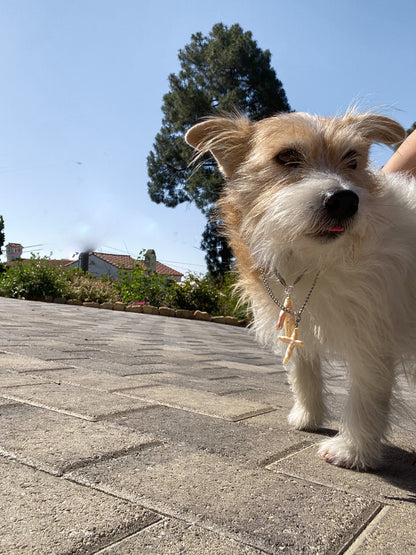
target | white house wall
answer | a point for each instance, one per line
(98, 267)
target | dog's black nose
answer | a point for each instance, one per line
(341, 204)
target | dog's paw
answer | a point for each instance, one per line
(303, 419)
(340, 451)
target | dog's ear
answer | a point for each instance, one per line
(226, 138)
(379, 129)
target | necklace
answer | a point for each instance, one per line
(289, 318)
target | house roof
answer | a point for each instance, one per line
(15, 245)
(60, 262)
(128, 263)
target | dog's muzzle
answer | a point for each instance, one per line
(338, 208)
(341, 204)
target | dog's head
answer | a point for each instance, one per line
(295, 182)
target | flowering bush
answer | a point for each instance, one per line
(195, 293)
(84, 287)
(35, 278)
(203, 293)
(139, 286)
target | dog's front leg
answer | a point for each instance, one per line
(365, 421)
(306, 380)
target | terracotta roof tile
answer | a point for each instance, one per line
(166, 270)
(116, 260)
(128, 263)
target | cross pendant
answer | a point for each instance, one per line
(287, 319)
(293, 341)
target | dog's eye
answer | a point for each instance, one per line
(289, 157)
(351, 159)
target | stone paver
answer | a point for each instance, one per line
(73, 400)
(101, 381)
(46, 515)
(57, 442)
(247, 444)
(251, 505)
(24, 363)
(391, 532)
(396, 481)
(8, 379)
(134, 433)
(174, 536)
(229, 408)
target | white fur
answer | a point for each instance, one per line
(363, 309)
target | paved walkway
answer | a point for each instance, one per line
(135, 434)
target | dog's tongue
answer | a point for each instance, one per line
(336, 228)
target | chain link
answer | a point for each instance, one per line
(296, 313)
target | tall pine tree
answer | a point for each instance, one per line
(222, 72)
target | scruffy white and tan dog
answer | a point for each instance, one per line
(330, 243)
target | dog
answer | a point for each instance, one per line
(314, 227)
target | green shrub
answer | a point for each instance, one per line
(38, 278)
(195, 293)
(84, 287)
(139, 285)
(229, 303)
(35, 278)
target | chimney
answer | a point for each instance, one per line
(13, 251)
(84, 261)
(150, 261)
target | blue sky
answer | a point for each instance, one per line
(81, 91)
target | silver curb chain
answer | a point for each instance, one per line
(296, 313)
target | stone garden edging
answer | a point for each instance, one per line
(148, 309)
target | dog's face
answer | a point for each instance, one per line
(296, 183)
